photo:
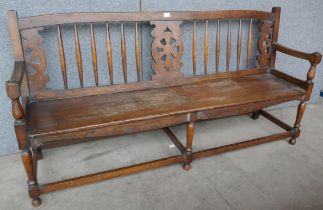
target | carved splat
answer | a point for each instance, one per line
(264, 43)
(167, 50)
(35, 58)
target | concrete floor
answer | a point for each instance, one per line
(270, 176)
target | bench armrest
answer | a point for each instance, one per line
(13, 87)
(313, 58)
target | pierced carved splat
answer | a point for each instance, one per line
(264, 43)
(35, 58)
(167, 50)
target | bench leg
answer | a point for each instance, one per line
(255, 115)
(189, 140)
(39, 153)
(300, 112)
(33, 187)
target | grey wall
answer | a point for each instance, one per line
(300, 29)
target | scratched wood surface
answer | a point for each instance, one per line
(57, 115)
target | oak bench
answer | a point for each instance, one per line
(46, 118)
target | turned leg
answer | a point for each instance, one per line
(300, 112)
(189, 140)
(255, 115)
(33, 187)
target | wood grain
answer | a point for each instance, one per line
(206, 46)
(194, 48)
(87, 17)
(249, 48)
(78, 55)
(109, 53)
(228, 53)
(239, 40)
(137, 47)
(218, 46)
(124, 54)
(94, 56)
(62, 56)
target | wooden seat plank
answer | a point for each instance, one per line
(57, 115)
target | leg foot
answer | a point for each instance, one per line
(292, 141)
(187, 166)
(255, 115)
(36, 202)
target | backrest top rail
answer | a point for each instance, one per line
(86, 17)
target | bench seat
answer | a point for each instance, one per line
(54, 117)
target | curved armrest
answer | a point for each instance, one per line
(313, 58)
(14, 83)
(13, 87)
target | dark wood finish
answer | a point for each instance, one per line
(313, 58)
(228, 53)
(239, 41)
(297, 125)
(175, 140)
(27, 160)
(275, 120)
(32, 40)
(78, 55)
(189, 141)
(15, 36)
(167, 50)
(264, 44)
(68, 183)
(291, 79)
(249, 48)
(137, 46)
(276, 12)
(87, 17)
(49, 118)
(109, 54)
(62, 55)
(217, 53)
(206, 46)
(94, 56)
(194, 48)
(241, 145)
(70, 93)
(124, 54)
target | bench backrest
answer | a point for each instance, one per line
(166, 49)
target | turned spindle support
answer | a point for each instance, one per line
(189, 140)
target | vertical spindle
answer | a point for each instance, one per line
(94, 56)
(124, 53)
(78, 55)
(228, 46)
(249, 48)
(217, 60)
(206, 46)
(194, 46)
(109, 53)
(137, 37)
(239, 39)
(62, 55)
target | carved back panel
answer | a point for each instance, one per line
(167, 50)
(35, 59)
(264, 43)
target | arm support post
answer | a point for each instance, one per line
(313, 58)
(13, 87)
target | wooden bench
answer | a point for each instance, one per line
(46, 118)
